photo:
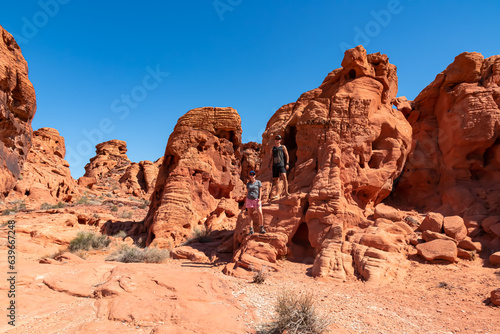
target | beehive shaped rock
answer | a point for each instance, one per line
(200, 174)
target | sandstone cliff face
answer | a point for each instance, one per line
(46, 177)
(454, 166)
(347, 146)
(17, 108)
(199, 179)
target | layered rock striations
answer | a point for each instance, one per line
(199, 181)
(17, 108)
(46, 177)
(454, 165)
(347, 145)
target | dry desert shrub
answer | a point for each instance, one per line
(86, 240)
(133, 254)
(261, 275)
(296, 314)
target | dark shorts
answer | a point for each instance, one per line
(277, 170)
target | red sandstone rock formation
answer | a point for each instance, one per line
(454, 166)
(108, 165)
(347, 146)
(112, 171)
(17, 108)
(199, 181)
(45, 177)
(139, 178)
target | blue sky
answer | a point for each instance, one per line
(128, 70)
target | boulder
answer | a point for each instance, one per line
(495, 297)
(495, 258)
(432, 222)
(387, 212)
(438, 250)
(454, 227)
(429, 236)
(488, 222)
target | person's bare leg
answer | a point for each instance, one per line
(285, 183)
(250, 220)
(274, 185)
(261, 220)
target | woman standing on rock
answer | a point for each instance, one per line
(253, 201)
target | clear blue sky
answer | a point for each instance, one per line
(129, 69)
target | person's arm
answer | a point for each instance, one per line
(260, 191)
(287, 158)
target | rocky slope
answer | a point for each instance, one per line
(17, 108)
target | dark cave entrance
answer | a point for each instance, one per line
(301, 248)
(291, 145)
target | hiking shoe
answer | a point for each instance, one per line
(262, 230)
(251, 231)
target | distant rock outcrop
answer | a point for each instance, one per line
(17, 108)
(112, 171)
(46, 177)
(347, 145)
(199, 181)
(454, 165)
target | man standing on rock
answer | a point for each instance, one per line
(253, 201)
(280, 164)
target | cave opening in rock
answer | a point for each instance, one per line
(219, 191)
(352, 74)
(291, 145)
(301, 248)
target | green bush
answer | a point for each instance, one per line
(126, 215)
(45, 206)
(114, 208)
(296, 314)
(122, 234)
(86, 240)
(11, 211)
(129, 254)
(83, 200)
(59, 205)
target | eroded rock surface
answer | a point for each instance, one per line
(347, 145)
(454, 166)
(45, 177)
(17, 108)
(199, 176)
(112, 171)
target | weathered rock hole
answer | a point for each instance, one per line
(352, 74)
(291, 144)
(301, 246)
